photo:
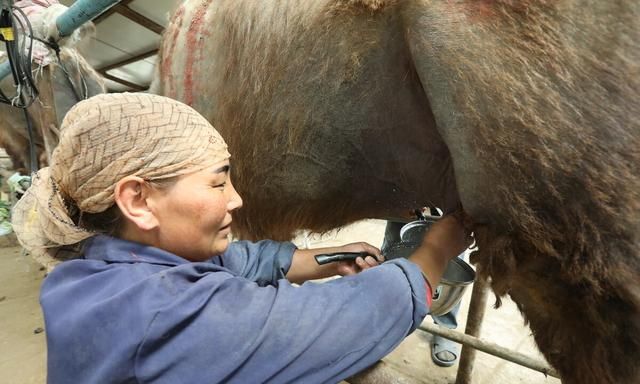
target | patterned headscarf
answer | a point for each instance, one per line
(104, 139)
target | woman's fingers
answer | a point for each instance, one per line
(370, 249)
(346, 268)
(364, 247)
(371, 261)
(361, 263)
(366, 263)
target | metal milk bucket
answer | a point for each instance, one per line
(456, 277)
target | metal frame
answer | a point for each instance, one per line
(81, 11)
(123, 9)
(77, 14)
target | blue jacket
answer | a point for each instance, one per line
(129, 313)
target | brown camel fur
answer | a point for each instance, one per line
(527, 113)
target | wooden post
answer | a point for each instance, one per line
(474, 324)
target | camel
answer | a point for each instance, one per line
(525, 114)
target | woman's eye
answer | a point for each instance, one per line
(220, 185)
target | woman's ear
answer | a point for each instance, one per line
(131, 194)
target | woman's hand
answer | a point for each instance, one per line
(304, 266)
(447, 236)
(345, 268)
(445, 240)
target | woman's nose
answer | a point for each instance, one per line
(235, 201)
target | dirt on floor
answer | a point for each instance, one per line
(23, 343)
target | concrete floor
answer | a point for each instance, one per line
(23, 351)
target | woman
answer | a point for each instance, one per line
(159, 294)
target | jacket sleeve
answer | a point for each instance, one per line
(264, 262)
(228, 329)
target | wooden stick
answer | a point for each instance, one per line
(126, 83)
(490, 348)
(109, 12)
(477, 307)
(138, 18)
(132, 59)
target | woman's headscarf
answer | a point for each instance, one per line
(104, 139)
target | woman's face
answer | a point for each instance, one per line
(194, 214)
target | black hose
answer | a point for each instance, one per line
(33, 163)
(19, 52)
(20, 62)
(27, 81)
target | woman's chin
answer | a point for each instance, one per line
(221, 245)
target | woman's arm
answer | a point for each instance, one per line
(227, 329)
(304, 266)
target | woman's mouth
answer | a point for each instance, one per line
(226, 229)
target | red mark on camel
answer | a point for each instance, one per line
(475, 11)
(194, 45)
(169, 44)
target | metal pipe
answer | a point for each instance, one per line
(490, 348)
(79, 13)
(477, 307)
